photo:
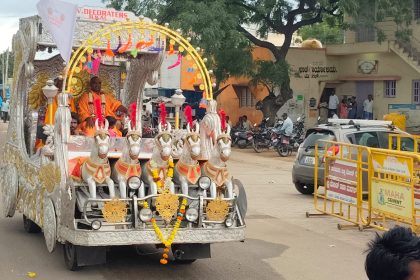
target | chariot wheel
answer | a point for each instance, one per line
(241, 201)
(70, 256)
(50, 225)
(9, 190)
(30, 226)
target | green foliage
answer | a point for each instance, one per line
(271, 74)
(323, 32)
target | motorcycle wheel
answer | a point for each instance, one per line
(242, 144)
(282, 150)
(257, 147)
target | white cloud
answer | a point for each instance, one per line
(11, 11)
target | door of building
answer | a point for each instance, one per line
(363, 89)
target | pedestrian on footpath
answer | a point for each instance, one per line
(343, 109)
(368, 108)
(353, 108)
(5, 110)
(394, 256)
(333, 104)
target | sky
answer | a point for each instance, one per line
(12, 10)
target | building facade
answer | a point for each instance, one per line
(389, 71)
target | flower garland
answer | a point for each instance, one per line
(168, 241)
(162, 183)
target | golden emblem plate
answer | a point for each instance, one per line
(217, 210)
(167, 205)
(114, 211)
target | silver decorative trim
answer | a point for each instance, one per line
(133, 237)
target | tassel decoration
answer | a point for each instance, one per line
(133, 111)
(162, 114)
(188, 115)
(222, 116)
(98, 111)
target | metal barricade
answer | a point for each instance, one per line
(394, 184)
(404, 142)
(346, 179)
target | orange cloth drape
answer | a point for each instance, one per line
(111, 105)
(72, 108)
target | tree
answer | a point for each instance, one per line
(324, 32)
(220, 25)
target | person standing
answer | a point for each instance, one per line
(333, 104)
(323, 108)
(343, 109)
(353, 108)
(368, 108)
(5, 110)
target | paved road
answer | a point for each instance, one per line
(281, 242)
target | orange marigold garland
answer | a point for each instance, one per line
(170, 239)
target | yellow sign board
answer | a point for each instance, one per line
(391, 164)
(392, 198)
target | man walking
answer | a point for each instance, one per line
(333, 104)
(5, 110)
(368, 108)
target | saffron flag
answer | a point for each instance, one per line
(59, 19)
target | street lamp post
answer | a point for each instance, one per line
(50, 91)
(177, 100)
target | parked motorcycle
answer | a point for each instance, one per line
(244, 139)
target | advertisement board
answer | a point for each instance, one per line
(392, 198)
(342, 181)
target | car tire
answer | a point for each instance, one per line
(304, 188)
(70, 256)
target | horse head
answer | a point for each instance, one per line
(133, 139)
(223, 143)
(102, 139)
(163, 141)
(192, 141)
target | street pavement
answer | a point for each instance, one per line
(281, 243)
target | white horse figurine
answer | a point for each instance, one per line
(209, 126)
(187, 169)
(216, 167)
(96, 169)
(160, 159)
(128, 164)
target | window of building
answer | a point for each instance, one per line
(365, 34)
(416, 9)
(416, 91)
(390, 87)
(246, 98)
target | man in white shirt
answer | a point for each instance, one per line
(333, 104)
(368, 108)
(287, 127)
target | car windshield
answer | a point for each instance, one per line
(314, 136)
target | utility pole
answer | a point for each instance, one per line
(6, 80)
(2, 73)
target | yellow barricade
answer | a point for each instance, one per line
(404, 142)
(368, 187)
(394, 184)
(345, 168)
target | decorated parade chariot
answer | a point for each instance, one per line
(173, 191)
